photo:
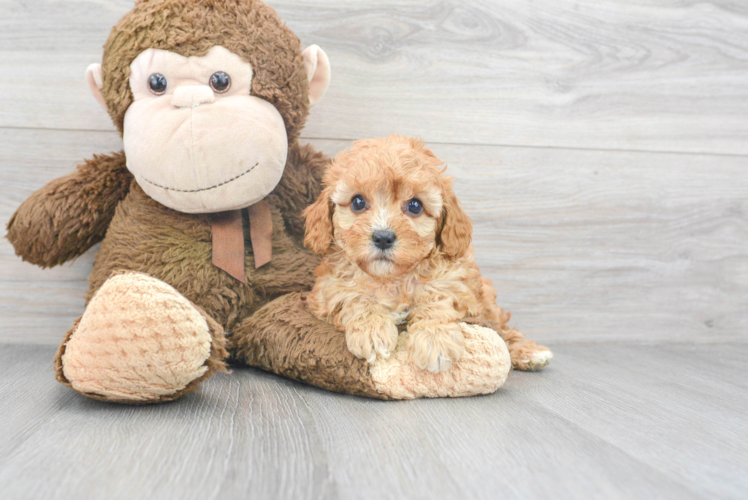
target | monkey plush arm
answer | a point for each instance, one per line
(70, 214)
(300, 185)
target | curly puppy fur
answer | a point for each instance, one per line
(427, 276)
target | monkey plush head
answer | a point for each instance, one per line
(208, 95)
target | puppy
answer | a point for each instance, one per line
(396, 248)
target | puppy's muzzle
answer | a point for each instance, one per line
(383, 239)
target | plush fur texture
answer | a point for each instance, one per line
(70, 214)
(248, 28)
(483, 368)
(283, 337)
(428, 277)
(175, 247)
(140, 340)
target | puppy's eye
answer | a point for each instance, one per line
(358, 203)
(220, 82)
(157, 83)
(415, 207)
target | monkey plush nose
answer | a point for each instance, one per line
(189, 96)
(383, 239)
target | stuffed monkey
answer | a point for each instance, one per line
(200, 218)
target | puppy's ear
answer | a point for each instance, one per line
(456, 230)
(318, 234)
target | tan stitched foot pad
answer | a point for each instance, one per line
(482, 369)
(138, 341)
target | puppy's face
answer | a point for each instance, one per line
(386, 205)
(385, 221)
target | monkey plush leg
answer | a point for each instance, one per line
(284, 338)
(140, 341)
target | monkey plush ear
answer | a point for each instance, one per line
(95, 82)
(317, 72)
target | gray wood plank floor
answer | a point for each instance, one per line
(605, 421)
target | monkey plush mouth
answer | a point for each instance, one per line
(218, 156)
(206, 188)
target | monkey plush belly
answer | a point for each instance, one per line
(176, 248)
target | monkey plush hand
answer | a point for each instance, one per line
(200, 218)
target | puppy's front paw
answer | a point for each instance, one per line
(371, 338)
(436, 348)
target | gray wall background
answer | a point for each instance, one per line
(601, 147)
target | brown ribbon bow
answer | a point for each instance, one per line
(228, 238)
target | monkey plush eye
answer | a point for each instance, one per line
(157, 83)
(358, 203)
(414, 207)
(220, 82)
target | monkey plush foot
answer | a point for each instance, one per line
(283, 337)
(139, 341)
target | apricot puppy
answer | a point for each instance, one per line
(396, 248)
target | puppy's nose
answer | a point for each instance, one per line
(383, 239)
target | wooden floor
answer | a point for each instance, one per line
(606, 421)
(601, 148)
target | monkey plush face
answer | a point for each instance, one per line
(208, 95)
(196, 140)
